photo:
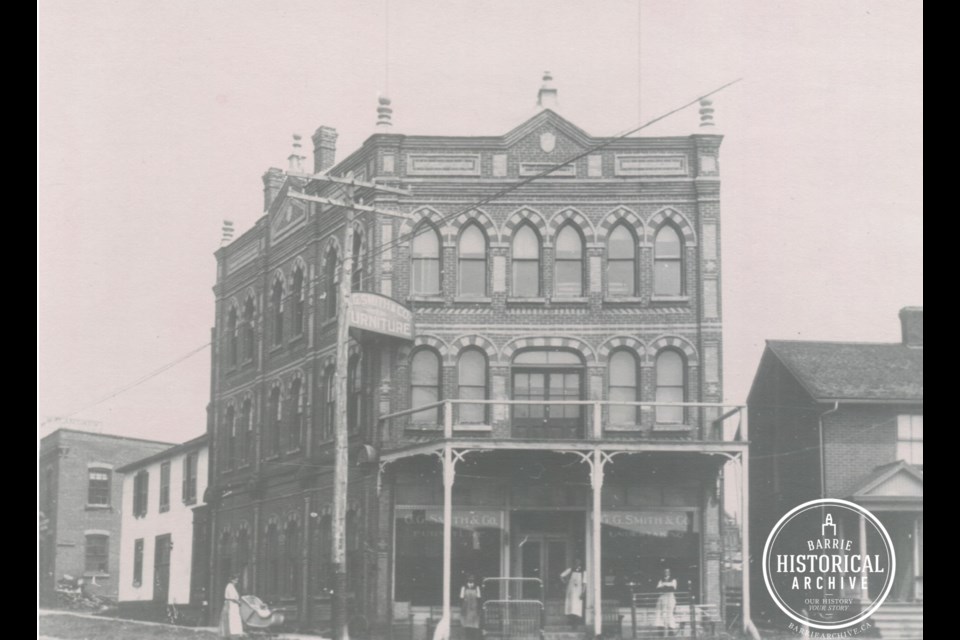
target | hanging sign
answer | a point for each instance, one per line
(381, 315)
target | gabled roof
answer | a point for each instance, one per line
(196, 443)
(830, 371)
(895, 481)
(563, 125)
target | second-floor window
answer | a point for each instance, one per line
(298, 295)
(623, 387)
(330, 403)
(472, 385)
(910, 439)
(670, 372)
(621, 262)
(276, 302)
(246, 441)
(249, 342)
(189, 492)
(98, 487)
(332, 277)
(425, 262)
(295, 431)
(141, 491)
(425, 386)
(274, 409)
(668, 263)
(354, 392)
(233, 353)
(164, 487)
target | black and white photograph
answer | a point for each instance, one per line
(480, 320)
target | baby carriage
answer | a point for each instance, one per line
(258, 619)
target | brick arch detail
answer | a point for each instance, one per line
(618, 215)
(571, 215)
(541, 342)
(680, 221)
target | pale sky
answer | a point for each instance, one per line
(157, 119)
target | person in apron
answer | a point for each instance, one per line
(231, 626)
(470, 609)
(576, 589)
(666, 603)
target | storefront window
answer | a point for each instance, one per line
(639, 545)
(477, 536)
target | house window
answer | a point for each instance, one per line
(354, 392)
(249, 329)
(296, 415)
(472, 262)
(97, 553)
(276, 302)
(98, 487)
(330, 403)
(472, 385)
(621, 262)
(232, 337)
(141, 489)
(668, 263)
(299, 302)
(164, 487)
(425, 386)
(332, 276)
(425, 264)
(670, 386)
(138, 562)
(275, 408)
(568, 272)
(359, 259)
(910, 439)
(622, 374)
(291, 559)
(525, 254)
(190, 477)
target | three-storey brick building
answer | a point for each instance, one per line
(563, 382)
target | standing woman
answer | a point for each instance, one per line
(667, 602)
(470, 609)
(576, 588)
(231, 626)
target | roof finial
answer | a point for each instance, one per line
(547, 97)
(296, 157)
(226, 233)
(384, 114)
(706, 113)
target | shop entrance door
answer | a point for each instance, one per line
(545, 557)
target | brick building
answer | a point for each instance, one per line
(564, 378)
(164, 542)
(845, 420)
(79, 495)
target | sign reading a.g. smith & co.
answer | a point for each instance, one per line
(381, 315)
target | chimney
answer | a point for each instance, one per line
(547, 97)
(295, 161)
(324, 148)
(384, 115)
(911, 324)
(272, 181)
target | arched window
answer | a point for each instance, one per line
(229, 437)
(425, 262)
(425, 386)
(472, 385)
(274, 409)
(668, 263)
(621, 262)
(568, 274)
(671, 386)
(232, 337)
(291, 559)
(329, 403)
(246, 440)
(322, 579)
(225, 549)
(299, 302)
(295, 432)
(249, 329)
(622, 374)
(276, 304)
(332, 277)
(271, 568)
(525, 254)
(359, 259)
(354, 392)
(472, 262)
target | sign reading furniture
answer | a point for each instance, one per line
(381, 315)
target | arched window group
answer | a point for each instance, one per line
(276, 306)
(569, 273)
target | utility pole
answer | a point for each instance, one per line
(341, 437)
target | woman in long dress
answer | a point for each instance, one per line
(573, 602)
(667, 602)
(231, 626)
(470, 609)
